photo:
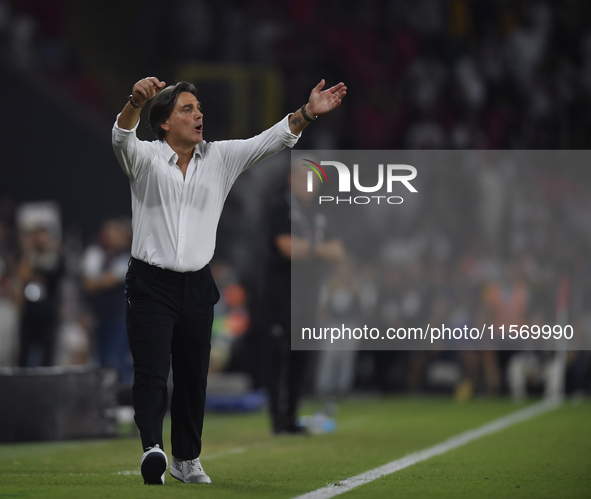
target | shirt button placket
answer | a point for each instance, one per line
(182, 227)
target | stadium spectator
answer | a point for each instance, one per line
(104, 266)
(40, 269)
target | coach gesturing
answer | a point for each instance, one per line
(179, 183)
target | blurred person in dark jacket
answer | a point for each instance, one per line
(104, 266)
(301, 245)
(39, 272)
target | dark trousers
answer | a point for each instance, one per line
(285, 378)
(169, 316)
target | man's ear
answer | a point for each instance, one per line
(165, 126)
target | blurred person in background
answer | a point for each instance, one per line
(301, 245)
(39, 272)
(8, 311)
(178, 185)
(340, 304)
(104, 266)
(506, 302)
(9, 318)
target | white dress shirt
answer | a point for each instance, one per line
(174, 218)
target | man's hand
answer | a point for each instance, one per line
(146, 89)
(299, 248)
(324, 101)
(320, 102)
(143, 91)
(107, 280)
(330, 251)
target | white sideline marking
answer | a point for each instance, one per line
(453, 443)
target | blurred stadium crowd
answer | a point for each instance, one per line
(422, 74)
(460, 74)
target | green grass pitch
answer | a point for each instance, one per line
(547, 456)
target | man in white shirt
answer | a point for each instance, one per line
(178, 187)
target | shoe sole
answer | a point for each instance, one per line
(172, 474)
(172, 470)
(153, 467)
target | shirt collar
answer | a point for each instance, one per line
(172, 157)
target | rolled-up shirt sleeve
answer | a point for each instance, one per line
(133, 154)
(238, 155)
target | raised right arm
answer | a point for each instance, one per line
(133, 154)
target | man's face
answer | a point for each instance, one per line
(185, 125)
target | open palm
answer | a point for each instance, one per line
(324, 101)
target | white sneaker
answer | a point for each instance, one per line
(154, 465)
(189, 471)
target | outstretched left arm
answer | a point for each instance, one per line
(320, 102)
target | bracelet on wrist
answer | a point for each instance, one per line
(133, 104)
(306, 117)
